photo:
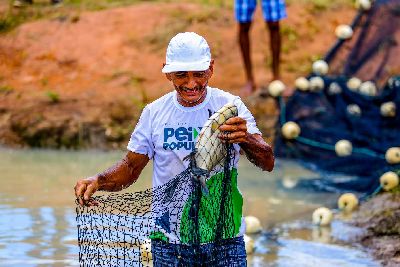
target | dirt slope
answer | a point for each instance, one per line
(81, 79)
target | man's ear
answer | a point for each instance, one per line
(168, 75)
(211, 68)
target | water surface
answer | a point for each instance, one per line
(38, 228)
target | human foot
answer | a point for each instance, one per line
(247, 89)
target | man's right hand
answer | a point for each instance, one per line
(119, 176)
(84, 189)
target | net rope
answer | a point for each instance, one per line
(119, 231)
(338, 111)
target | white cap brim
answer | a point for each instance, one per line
(174, 67)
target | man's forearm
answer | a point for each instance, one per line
(122, 174)
(258, 152)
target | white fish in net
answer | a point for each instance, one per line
(209, 149)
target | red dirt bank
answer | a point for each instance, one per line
(81, 80)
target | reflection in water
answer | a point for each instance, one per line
(33, 237)
(321, 234)
(38, 227)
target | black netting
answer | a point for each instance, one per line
(339, 111)
(373, 51)
(188, 219)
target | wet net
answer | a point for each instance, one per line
(185, 222)
(358, 101)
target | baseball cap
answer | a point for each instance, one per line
(187, 51)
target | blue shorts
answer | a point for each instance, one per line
(226, 253)
(273, 10)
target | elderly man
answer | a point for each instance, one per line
(163, 124)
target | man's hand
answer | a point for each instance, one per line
(120, 176)
(234, 131)
(84, 189)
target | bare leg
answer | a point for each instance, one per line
(244, 42)
(275, 43)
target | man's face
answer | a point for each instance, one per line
(190, 85)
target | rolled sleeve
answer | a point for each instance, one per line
(244, 113)
(141, 138)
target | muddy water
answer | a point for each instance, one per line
(37, 215)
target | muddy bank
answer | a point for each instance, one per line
(79, 79)
(68, 124)
(380, 218)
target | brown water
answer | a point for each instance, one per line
(38, 228)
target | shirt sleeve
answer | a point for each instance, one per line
(244, 113)
(141, 141)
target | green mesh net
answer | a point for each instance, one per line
(192, 215)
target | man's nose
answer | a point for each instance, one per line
(191, 83)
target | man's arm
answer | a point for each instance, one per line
(116, 178)
(256, 149)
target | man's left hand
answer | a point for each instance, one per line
(234, 131)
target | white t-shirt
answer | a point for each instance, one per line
(167, 131)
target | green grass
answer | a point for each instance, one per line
(290, 37)
(44, 81)
(6, 89)
(54, 97)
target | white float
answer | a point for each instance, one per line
(276, 88)
(343, 148)
(353, 84)
(320, 67)
(253, 225)
(392, 155)
(334, 89)
(368, 88)
(388, 109)
(289, 182)
(363, 4)
(316, 83)
(302, 84)
(322, 216)
(291, 130)
(344, 32)
(354, 109)
(389, 180)
(348, 202)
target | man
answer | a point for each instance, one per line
(273, 11)
(172, 119)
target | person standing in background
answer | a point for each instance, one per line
(273, 12)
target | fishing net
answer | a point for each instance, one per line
(176, 224)
(372, 52)
(366, 115)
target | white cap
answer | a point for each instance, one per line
(187, 51)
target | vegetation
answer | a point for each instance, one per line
(321, 5)
(5, 89)
(13, 16)
(53, 96)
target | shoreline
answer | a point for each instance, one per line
(379, 217)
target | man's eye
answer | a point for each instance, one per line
(200, 74)
(180, 75)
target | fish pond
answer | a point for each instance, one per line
(38, 226)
